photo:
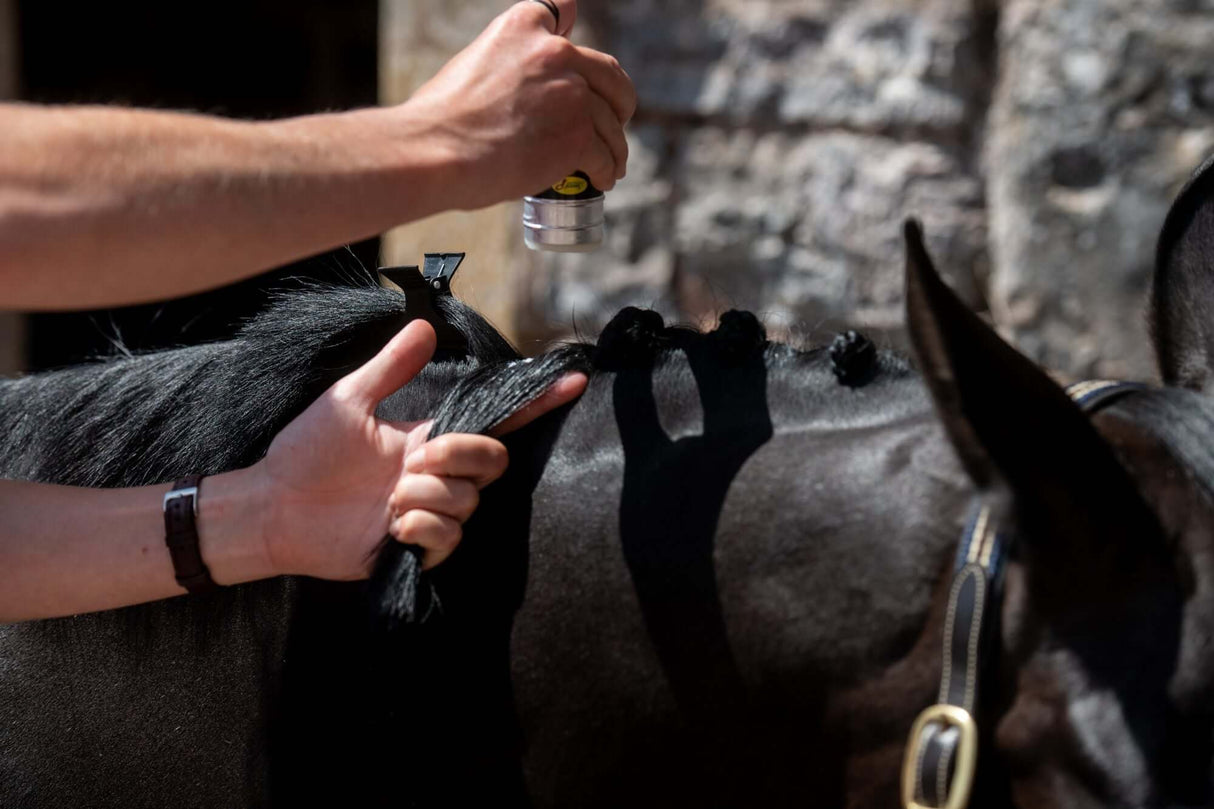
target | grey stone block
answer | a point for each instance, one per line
(1102, 111)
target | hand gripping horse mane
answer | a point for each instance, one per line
(733, 573)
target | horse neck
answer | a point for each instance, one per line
(774, 584)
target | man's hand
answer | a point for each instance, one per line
(340, 479)
(521, 107)
(101, 206)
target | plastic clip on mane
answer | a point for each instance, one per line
(439, 268)
(420, 287)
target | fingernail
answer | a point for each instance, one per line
(574, 379)
(415, 461)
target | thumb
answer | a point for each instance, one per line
(396, 363)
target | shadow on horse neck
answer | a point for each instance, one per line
(721, 578)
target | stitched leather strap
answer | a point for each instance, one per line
(939, 744)
(939, 762)
(1095, 394)
(181, 536)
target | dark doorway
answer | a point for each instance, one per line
(239, 58)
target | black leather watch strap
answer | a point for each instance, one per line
(181, 535)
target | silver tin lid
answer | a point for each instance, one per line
(563, 226)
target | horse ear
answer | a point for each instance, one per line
(1182, 300)
(1010, 422)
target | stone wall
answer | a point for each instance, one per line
(1101, 112)
(779, 144)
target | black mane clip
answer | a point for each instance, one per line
(421, 288)
(439, 268)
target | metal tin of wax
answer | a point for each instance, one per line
(566, 218)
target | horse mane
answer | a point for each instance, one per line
(634, 337)
(490, 394)
(148, 418)
(139, 419)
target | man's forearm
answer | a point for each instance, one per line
(198, 201)
(65, 550)
(105, 206)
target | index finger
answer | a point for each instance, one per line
(563, 391)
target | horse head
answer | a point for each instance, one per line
(1098, 689)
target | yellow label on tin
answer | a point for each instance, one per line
(570, 186)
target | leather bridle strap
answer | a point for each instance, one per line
(1096, 394)
(941, 754)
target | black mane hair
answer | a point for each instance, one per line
(150, 418)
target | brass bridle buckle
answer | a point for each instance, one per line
(967, 756)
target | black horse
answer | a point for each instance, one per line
(721, 578)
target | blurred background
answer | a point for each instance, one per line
(776, 149)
